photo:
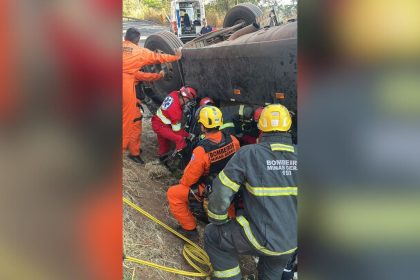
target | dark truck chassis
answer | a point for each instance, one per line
(258, 67)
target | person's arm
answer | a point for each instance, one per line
(224, 188)
(195, 168)
(147, 77)
(236, 143)
(176, 120)
(151, 57)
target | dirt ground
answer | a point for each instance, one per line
(146, 186)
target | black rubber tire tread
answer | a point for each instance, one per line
(246, 11)
(166, 42)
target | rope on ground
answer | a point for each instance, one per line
(192, 253)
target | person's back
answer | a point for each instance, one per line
(167, 122)
(270, 203)
(266, 174)
(233, 118)
(136, 57)
(187, 22)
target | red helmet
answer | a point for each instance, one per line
(188, 92)
(257, 113)
(205, 101)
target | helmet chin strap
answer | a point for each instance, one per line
(185, 100)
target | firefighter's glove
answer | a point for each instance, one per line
(207, 190)
(206, 205)
(191, 137)
(162, 73)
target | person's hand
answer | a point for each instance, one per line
(191, 137)
(162, 73)
(178, 53)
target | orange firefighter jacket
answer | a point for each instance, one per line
(134, 58)
(199, 164)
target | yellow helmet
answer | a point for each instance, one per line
(275, 117)
(210, 117)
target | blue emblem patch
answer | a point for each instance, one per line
(167, 102)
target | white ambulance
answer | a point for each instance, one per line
(186, 18)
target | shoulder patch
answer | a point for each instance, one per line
(167, 102)
(192, 157)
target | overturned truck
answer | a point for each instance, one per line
(246, 62)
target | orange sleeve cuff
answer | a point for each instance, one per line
(147, 77)
(154, 58)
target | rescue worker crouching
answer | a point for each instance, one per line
(195, 128)
(235, 117)
(166, 123)
(207, 160)
(251, 132)
(267, 175)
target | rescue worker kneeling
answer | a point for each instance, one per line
(266, 174)
(207, 160)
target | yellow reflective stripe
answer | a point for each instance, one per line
(241, 110)
(226, 125)
(162, 117)
(176, 127)
(282, 147)
(247, 229)
(227, 273)
(271, 191)
(217, 216)
(228, 182)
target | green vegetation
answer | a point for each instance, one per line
(157, 10)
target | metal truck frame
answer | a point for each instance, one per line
(247, 62)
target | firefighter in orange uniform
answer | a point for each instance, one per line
(208, 159)
(134, 58)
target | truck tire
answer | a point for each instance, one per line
(165, 42)
(246, 12)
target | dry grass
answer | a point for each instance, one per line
(146, 186)
(156, 171)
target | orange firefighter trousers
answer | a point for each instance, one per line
(132, 125)
(178, 205)
(134, 58)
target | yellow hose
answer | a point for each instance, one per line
(192, 253)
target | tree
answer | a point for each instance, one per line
(215, 9)
(283, 11)
(132, 8)
(154, 4)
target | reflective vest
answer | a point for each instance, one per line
(219, 153)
